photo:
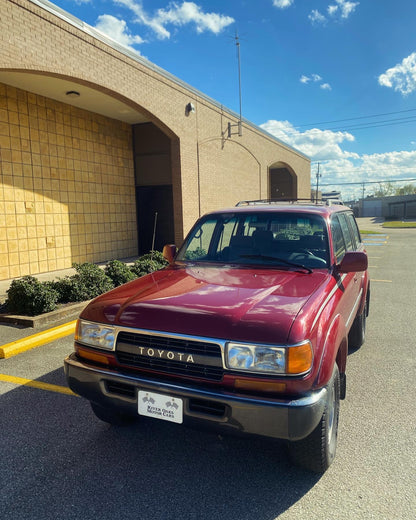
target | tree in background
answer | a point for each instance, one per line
(387, 190)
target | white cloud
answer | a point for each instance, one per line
(143, 18)
(315, 78)
(117, 30)
(315, 143)
(282, 4)
(402, 77)
(341, 10)
(339, 166)
(189, 12)
(177, 15)
(316, 17)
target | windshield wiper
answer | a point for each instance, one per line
(281, 260)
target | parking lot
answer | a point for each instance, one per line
(59, 461)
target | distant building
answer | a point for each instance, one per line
(400, 206)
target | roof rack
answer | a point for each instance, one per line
(263, 202)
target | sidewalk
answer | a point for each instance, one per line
(371, 224)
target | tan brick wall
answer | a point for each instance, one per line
(66, 186)
(80, 179)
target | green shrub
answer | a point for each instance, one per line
(29, 296)
(148, 263)
(119, 272)
(89, 281)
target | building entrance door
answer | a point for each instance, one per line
(154, 217)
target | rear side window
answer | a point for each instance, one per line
(337, 239)
(354, 229)
(346, 232)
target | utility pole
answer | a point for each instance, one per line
(318, 175)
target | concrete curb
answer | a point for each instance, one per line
(36, 340)
(65, 312)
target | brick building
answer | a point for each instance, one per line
(95, 141)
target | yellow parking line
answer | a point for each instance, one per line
(385, 281)
(21, 381)
(36, 340)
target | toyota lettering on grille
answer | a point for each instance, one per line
(166, 354)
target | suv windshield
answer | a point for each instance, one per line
(267, 239)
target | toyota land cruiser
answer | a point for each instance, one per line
(247, 329)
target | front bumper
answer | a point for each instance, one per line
(281, 419)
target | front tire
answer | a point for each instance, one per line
(356, 336)
(317, 451)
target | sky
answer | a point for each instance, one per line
(335, 79)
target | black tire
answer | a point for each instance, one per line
(356, 336)
(317, 451)
(111, 416)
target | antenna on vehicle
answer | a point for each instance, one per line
(154, 237)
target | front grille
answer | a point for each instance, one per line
(132, 350)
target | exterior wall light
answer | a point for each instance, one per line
(189, 109)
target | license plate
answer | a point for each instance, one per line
(159, 406)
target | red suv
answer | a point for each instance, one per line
(246, 330)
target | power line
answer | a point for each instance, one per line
(284, 134)
(366, 182)
(356, 118)
(364, 169)
(375, 124)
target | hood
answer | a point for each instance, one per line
(226, 303)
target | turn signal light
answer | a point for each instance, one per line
(299, 359)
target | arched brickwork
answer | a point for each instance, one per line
(68, 170)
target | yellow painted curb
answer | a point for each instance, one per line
(36, 340)
(36, 384)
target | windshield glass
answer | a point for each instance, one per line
(267, 239)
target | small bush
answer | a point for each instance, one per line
(148, 263)
(29, 296)
(89, 281)
(119, 272)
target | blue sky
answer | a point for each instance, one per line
(334, 78)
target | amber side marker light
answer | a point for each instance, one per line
(299, 359)
(259, 386)
(96, 357)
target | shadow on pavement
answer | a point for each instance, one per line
(59, 461)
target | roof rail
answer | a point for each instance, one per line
(262, 202)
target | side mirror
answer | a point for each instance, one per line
(353, 261)
(169, 252)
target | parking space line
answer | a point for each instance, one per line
(21, 381)
(36, 340)
(385, 281)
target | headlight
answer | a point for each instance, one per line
(294, 360)
(95, 335)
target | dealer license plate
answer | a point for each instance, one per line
(159, 406)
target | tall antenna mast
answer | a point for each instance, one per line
(239, 125)
(237, 42)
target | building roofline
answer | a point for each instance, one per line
(91, 31)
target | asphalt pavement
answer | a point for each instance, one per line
(59, 461)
